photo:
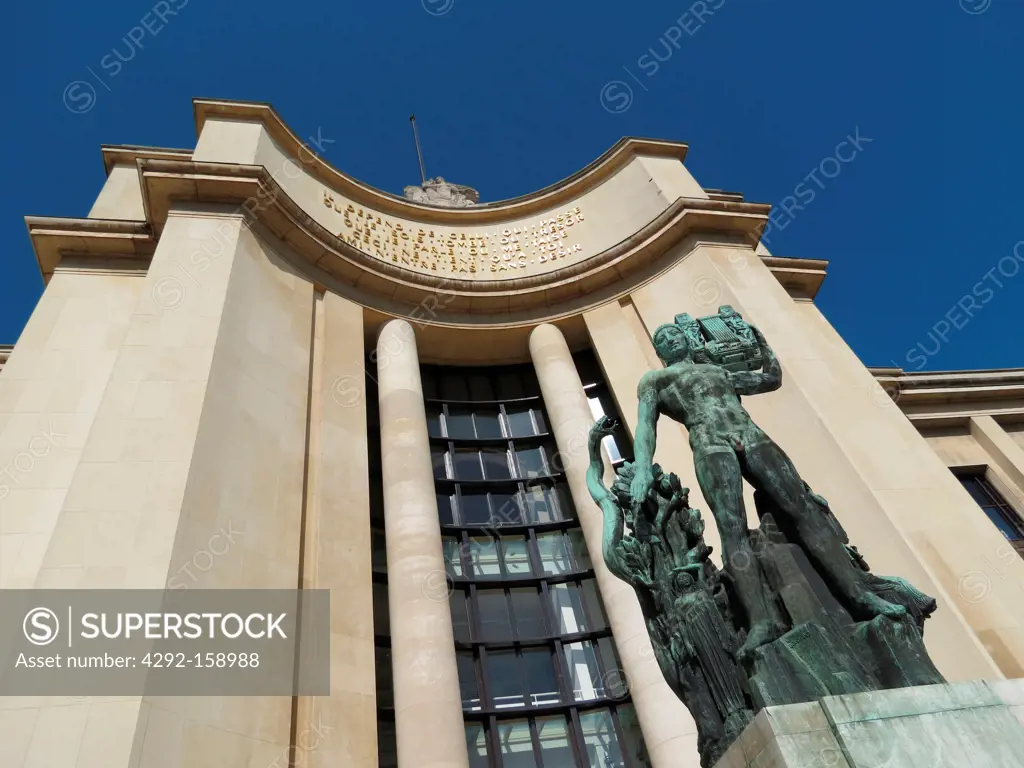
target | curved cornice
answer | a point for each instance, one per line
(254, 191)
(549, 197)
(388, 287)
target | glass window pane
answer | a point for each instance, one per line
(487, 425)
(467, 681)
(540, 676)
(428, 375)
(466, 462)
(974, 488)
(615, 682)
(599, 736)
(460, 424)
(452, 560)
(517, 559)
(554, 555)
(516, 745)
(496, 463)
(555, 749)
(594, 605)
(634, 746)
(531, 463)
(460, 615)
(504, 679)
(578, 547)
(453, 386)
(378, 551)
(494, 619)
(385, 680)
(507, 509)
(519, 422)
(434, 421)
(381, 619)
(529, 615)
(540, 504)
(1002, 523)
(437, 458)
(476, 742)
(483, 553)
(444, 508)
(542, 422)
(474, 509)
(510, 386)
(480, 388)
(584, 674)
(563, 501)
(567, 604)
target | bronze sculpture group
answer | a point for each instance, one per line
(794, 614)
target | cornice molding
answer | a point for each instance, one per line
(950, 398)
(56, 239)
(802, 278)
(127, 154)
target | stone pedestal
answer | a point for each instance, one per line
(974, 724)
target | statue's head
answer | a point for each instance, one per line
(671, 344)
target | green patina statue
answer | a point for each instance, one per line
(728, 447)
(794, 614)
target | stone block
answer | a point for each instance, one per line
(972, 724)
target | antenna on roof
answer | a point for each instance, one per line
(419, 153)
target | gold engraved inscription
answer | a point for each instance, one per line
(458, 252)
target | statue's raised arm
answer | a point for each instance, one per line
(768, 379)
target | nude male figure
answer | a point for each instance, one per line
(728, 447)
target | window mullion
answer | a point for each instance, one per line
(494, 742)
(562, 673)
(486, 699)
(628, 758)
(535, 738)
(576, 738)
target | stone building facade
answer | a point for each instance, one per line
(390, 400)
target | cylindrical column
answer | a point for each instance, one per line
(428, 705)
(669, 731)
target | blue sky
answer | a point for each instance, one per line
(511, 97)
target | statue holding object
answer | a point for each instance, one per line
(794, 614)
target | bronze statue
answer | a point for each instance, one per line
(794, 614)
(729, 447)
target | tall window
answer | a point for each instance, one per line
(539, 672)
(1002, 515)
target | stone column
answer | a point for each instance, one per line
(428, 704)
(668, 729)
